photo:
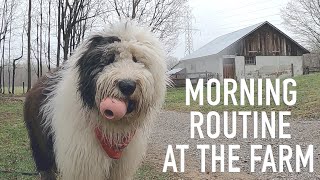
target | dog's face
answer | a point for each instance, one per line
(122, 75)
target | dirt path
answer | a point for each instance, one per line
(174, 128)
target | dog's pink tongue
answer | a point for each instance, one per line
(113, 109)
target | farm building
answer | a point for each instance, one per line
(258, 51)
(177, 75)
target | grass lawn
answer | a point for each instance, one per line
(14, 144)
(15, 154)
(18, 91)
(307, 105)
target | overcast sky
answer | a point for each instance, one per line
(214, 18)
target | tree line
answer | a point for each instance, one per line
(41, 34)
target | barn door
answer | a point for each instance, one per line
(229, 68)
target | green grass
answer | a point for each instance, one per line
(307, 105)
(18, 91)
(148, 172)
(14, 143)
(15, 154)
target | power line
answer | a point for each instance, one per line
(262, 17)
(242, 26)
(226, 26)
(271, 15)
(244, 6)
(257, 10)
(188, 33)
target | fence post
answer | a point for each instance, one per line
(206, 76)
(23, 87)
(292, 73)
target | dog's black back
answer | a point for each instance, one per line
(40, 139)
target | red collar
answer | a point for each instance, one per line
(113, 150)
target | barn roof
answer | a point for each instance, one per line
(174, 71)
(224, 41)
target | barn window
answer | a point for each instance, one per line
(250, 60)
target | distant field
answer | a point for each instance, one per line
(308, 100)
(18, 91)
(15, 154)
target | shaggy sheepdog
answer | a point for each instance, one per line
(91, 118)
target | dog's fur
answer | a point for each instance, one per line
(62, 110)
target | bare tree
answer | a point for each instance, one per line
(59, 32)
(3, 32)
(73, 22)
(14, 64)
(9, 53)
(171, 61)
(4, 22)
(40, 43)
(29, 46)
(3, 65)
(164, 17)
(302, 17)
(49, 35)
(37, 54)
(4, 29)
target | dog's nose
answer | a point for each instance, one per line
(127, 87)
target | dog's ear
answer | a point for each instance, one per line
(96, 41)
(92, 62)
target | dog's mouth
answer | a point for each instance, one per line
(115, 109)
(131, 106)
(113, 150)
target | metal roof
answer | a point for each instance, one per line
(221, 42)
(224, 41)
(174, 71)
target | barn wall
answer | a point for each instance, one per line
(240, 67)
(265, 41)
(269, 67)
(202, 64)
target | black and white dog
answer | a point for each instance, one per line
(91, 118)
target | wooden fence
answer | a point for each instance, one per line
(179, 80)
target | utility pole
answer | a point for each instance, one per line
(188, 33)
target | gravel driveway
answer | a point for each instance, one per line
(174, 128)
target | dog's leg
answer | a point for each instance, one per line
(47, 175)
(40, 142)
(127, 165)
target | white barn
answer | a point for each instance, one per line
(257, 51)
